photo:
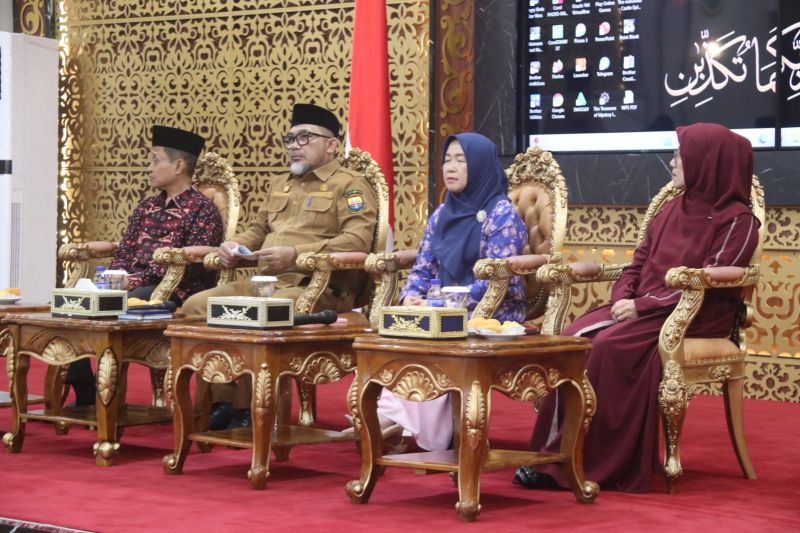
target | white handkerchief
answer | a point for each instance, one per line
(85, 284)
(242, 250)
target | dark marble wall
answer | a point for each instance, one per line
(607, 179)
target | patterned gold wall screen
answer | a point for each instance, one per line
(230, 70)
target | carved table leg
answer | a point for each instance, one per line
(284, 416)
(307, 392)
(202, 409)
(579, 407)
(157, 376)
(17, 367)
(263, 409)
(182, 420)
(472, 449)
(107, 405)
(363, 404)
(55, 393)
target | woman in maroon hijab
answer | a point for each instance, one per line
(709, 225)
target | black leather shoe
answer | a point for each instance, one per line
(240, 419)
(531, 479)
(221, 414)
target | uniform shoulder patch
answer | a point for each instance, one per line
(355, 200)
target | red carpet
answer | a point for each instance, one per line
(54, 480)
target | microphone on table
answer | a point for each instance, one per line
(321, 317)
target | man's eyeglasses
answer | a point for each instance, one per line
(302, 138)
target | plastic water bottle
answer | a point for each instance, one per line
(99, 279)
(435, 297)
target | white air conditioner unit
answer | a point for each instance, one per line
(28, 164)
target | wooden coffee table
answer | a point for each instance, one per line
(7, 344)
(314, 354)
(60, 341)
(525, 368)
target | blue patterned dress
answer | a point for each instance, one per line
(503, 235)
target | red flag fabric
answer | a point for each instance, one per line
(369, 117)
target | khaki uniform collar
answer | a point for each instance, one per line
(326, 171)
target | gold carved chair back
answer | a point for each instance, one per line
(215, 179)
(538, 190)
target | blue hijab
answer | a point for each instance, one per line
(457, 235)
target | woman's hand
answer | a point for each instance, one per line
(623, 310)
(413, 300)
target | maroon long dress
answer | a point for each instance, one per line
(709, 225)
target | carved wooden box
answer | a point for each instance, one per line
(424, 322)
(253, 312)
(76, 303)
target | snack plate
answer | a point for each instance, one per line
(10, 299)
(495, 336)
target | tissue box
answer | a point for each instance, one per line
(424, 322)
(253, 312)
(78, 303)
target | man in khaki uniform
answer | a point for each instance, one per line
(318, 207)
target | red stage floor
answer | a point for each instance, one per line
(54, 480)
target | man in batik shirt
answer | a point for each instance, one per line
(178, 216)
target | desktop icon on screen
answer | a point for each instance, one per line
(558, 31)
(628, 98)
(558, 66)
(580, 101)
(533, 3)
(580, 29)
(604, 28)
(535, 34)
(629, 26)
(558, 2)
(604, 98)
(536, 101)
(536, 66)
(558, 100)
(628, 62)
(580, 64)
(604, 63)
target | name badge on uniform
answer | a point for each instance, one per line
(355, 201)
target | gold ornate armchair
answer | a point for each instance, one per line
(214, 177)
(685, 361)
(538, 190)
(322, 265)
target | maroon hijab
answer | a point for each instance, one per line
(718, 170)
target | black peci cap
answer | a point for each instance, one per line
(182, 140)
(316, 115)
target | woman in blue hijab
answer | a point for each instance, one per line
(476, 221)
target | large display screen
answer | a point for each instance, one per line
(789, 89)
(620, 75)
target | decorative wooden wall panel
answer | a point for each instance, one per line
(230, 70)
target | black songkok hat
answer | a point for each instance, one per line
(182, 140)
(316, 115)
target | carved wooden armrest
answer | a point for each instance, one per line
(711, 277)
(387, 266)
(78, 251)
(693, 283)
(79, 254)
(176, 260)
(499, 273)
(211, 262)
(579, 272)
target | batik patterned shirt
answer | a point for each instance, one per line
(189, 219)
(503, 234)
